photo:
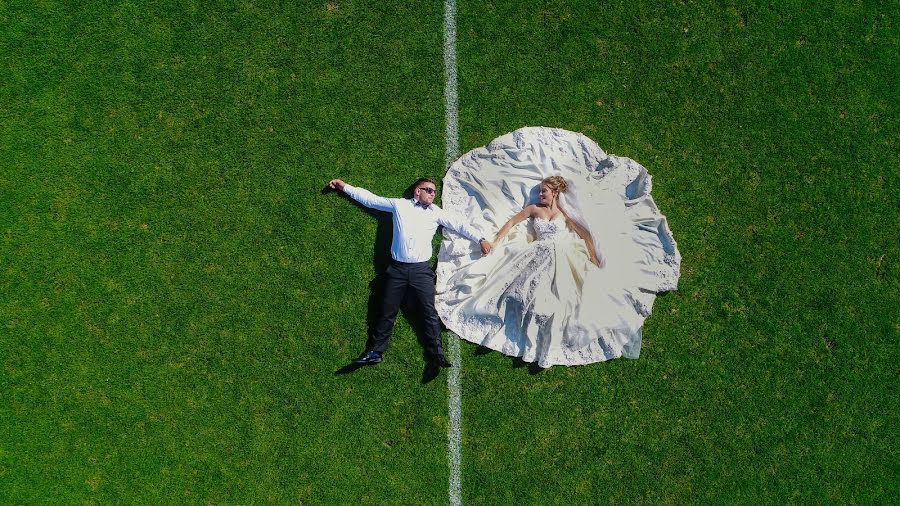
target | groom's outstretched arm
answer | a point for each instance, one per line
(363, 196)
(456, 224)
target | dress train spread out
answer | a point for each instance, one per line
(537, 295)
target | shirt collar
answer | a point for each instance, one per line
(416, 203)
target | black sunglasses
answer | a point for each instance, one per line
(427, 190)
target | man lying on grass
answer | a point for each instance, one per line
(415, 223)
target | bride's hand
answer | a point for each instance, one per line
(486, 247)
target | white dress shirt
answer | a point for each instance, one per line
(414, 226)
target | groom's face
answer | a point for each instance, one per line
(425, 193)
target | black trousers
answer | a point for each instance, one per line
(397, 279)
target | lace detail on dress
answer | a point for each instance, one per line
(671, 260)
(603, 168)
(519, 138)
(640, 306)
(548, 229)
(668, 273)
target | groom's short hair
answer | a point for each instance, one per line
(424, 180)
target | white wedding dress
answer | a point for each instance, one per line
(537, 295)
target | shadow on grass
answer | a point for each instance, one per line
(517, 362)
(349, 368)
(533, 367)
(483, 350)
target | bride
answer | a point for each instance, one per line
(574, 287)
(548, 211)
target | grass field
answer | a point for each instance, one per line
(177, 292)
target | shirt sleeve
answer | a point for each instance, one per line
(455, 223)
(369, 199)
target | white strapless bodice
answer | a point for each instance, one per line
(545, 229)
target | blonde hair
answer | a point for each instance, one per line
(557, 184)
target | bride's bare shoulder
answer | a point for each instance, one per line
(536, 211)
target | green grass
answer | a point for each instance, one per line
(177, 293)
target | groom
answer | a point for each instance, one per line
(415, 222)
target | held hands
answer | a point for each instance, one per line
(486, 246)
(336, 184)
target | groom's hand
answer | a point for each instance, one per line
(336, 184)
(486, 246)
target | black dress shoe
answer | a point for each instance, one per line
(440, 361)
(368, 358)
(430, 372)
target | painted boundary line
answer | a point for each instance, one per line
(451, 104)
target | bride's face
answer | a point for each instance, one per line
(546, 195)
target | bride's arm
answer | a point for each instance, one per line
(515, 220)
(586, 237)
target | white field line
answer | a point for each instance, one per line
(450, 98)
(454, 437)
